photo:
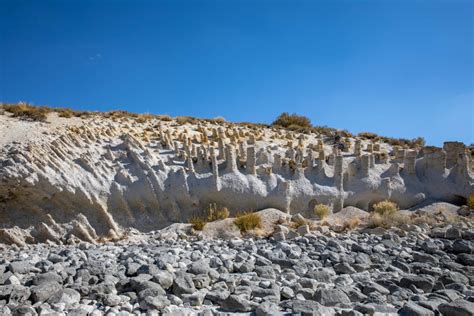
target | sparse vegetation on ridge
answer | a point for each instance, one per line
(292, 122)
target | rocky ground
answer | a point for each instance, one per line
(411, 271)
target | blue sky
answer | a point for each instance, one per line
(397, 68)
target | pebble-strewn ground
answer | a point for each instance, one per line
(333, 274)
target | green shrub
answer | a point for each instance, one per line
(248, 221)
(321, 211)
(286, 120)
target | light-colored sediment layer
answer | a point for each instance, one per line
(148, 174)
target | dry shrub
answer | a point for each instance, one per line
(66, 113)
(211, 214)
(345, 133)
(165, 118)
(28, 112)
(424, 219)
(470, 201)
(215, 213)
(321, 211)
(248, 221)
(368, 135)
(350, 224)
(324, 130)
(119, 114)
(299, 222)
(388, 220)
(253, 126)
(142, 118)
(185, 119)
(198, 222)
(286, 120)
(386, 215)
(385, 207)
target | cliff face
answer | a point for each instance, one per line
(147, 174)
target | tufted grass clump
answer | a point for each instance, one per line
(211, 214)
(321, 211)
(214, 212)
(248, 221)
(385, 207)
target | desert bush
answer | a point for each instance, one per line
(211, 214)
(253, 125)
(28, 112)
(248, 221)
(63, 112)
(298, 222)
(321, 211)
(215, 212)
(350, 224)
(142, 118)
(344, 133)
(385, 214)
(423, 219)
(117, 114)
(165, 118)
(470, 201)
(186, 119)
(198, 222)
(324, 130)
(286, 120)
(368, 135)
(388, 220)
(385, 207)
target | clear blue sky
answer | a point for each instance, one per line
(397, 68)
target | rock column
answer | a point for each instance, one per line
(409, 162)
(251, 160)
(357, 147)
(231, 159)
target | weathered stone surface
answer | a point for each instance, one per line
(458, 308)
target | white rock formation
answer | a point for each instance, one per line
(127, 173)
